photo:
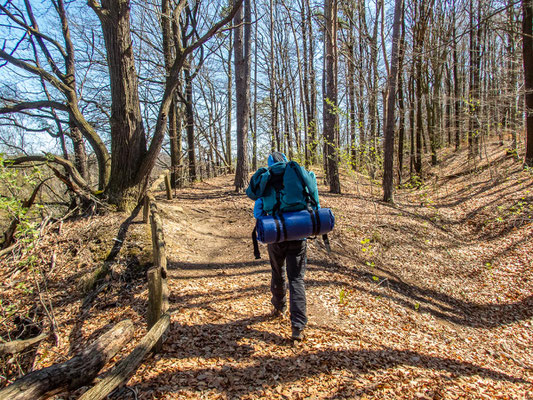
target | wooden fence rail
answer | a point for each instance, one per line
(83, 368)
(78, 371)
(158, 319)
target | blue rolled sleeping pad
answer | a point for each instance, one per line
(294, 225)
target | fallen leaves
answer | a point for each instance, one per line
(417, 314)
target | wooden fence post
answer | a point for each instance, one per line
(157, 275)
(146, 209)
(168, 187)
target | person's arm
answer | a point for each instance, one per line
(258, 208)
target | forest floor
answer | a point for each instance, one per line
(429, 298)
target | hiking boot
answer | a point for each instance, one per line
(278, 314)
(297, 334)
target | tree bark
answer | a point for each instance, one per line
(457, 85)
(475, 62)
(230, 106)
(127, 366)
(527, 48)
(421, 21)
(189, 115)
(331, 125)
(312, 123)
(352, 117)
(128, 139)
(242, 86)
(388, 174)
(401, 104)
(511, 55)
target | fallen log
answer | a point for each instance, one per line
(71, 374)
(127, 366)
(17, 346)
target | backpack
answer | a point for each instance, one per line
(284, 187)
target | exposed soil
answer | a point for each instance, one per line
(429, 298)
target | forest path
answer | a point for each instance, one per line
(427, 298)
(402, 308)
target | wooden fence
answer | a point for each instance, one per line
(83, 368)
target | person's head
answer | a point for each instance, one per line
(276, 157)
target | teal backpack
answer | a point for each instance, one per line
(284, 187)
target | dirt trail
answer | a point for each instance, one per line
(208, 231)
(389, 314)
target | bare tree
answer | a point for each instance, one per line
(527, 48)
(242, 46)
(124, 172)
(388, 175)
(330, 116)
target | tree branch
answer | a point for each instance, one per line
(170, 87)
(33, 31)
(30, 105)
(214, 29)
(42, 45)
(35, 70)
(69, 167)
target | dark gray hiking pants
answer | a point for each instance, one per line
(294, 253)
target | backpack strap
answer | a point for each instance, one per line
(283, 225)
(317, 222)
(315, 219)
(306, 190)
(257, 253)
(311, 203)
(277, 206)
(278, 228)
(326, 242)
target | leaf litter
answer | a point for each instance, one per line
(429, 298)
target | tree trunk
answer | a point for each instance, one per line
(170, 48)
(456, 87)
(475, 61)
(527, 48)
(230, 106)
(254, 130)
(242, 46)
(401, 105)
(311, 116)
(412, 157)
(421, 21)
(511, 56)
(128, 140)
(331, 126)
(373, 76)
(80, 155)
(189, 111)
(174, 134)
(305, 84)
(286, 124)
(351, 90)
(122, 371)
(388, 175)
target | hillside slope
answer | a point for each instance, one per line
(429, 298)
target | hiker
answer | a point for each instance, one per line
(287, 258)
